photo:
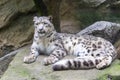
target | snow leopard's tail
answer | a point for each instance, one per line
(83, 63)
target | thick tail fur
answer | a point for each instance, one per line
(79, 63)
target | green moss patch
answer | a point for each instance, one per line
(113, 71)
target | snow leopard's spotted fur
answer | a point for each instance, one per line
(90, 51)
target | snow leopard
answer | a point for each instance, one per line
(89, 51)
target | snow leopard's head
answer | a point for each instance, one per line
(43, 25)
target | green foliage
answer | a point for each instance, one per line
(105, 77)
(113, 71)
(89, 16)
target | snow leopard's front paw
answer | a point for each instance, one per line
(29, 59)
(50, 60)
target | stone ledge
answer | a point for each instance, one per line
(18, 70)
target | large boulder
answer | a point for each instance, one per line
(104, 29)
(16, 25)
(94, 3)
(10, 10)
(83, 13)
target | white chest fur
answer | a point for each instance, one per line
(45, 46)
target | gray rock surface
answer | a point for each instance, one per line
(104, 29)
(15, 21)
(18, 70)
(11, 8)
(94, 3)
(16, 27)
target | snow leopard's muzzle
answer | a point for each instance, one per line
(41, 31)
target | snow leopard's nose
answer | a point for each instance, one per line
(40, 29)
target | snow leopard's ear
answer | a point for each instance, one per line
(35, 18)
(50, 18)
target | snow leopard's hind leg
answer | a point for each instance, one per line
(106, 61)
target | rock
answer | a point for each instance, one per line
(4, 64)
(104, 29)
(117, 45)
(94, 3)
(71, 26)
(8, 12)
(24, 6)
(115, 4)
(68, 20)
(86, 12)
(5, 60)
(19, 32)
(10, 9)
(18, 70)
(16, 25)
(16, 28)
(6, 49)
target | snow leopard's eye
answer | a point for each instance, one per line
(37, 23)
(45, 23)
